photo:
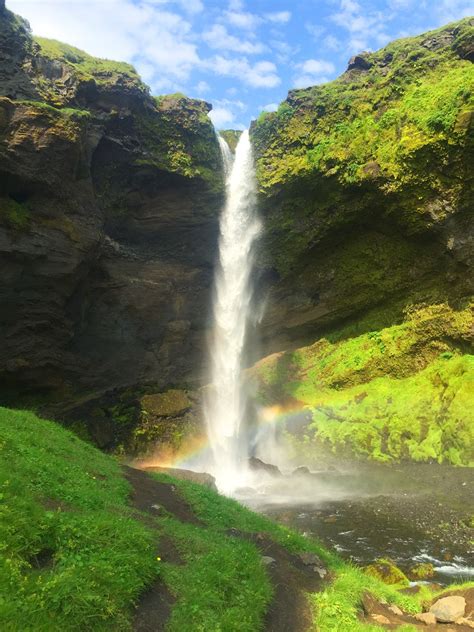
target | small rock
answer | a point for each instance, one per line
(301, 471)
(322, 572)
(268, 561)
(449, 609)
(396, 610)
(380, 618)
(156, 508)
(427, 618)
(463, 621)
(310, 559)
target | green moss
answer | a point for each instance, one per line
(14, 214)
(231, 137)
(102, 71)
(404, 392)
(178, 136)
(422, 571)
(170, 403)
(371, 124)
(387, 572)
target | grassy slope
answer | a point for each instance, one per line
(73, 557)
(406, 391)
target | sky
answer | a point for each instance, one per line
(240, 55)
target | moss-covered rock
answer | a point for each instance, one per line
(231, 137)
(421, 572)
(404, 392)
(366, 190)
(387, 572)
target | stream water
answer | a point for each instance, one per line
(409, 513)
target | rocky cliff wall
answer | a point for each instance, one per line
(108, 224)
(367, 192)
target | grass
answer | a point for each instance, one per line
(74, 557)
(87, 66)
(71, 555)
(222, 586)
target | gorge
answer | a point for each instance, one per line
(289, 308)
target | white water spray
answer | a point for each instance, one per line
(226, 405)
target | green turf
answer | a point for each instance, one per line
(71, 555)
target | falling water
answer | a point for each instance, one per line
(239, 228)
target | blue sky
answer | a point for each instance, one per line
(241, 55)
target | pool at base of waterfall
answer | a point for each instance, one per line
(417, 515)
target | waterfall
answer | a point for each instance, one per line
(226, 401)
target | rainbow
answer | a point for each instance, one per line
(195, 453)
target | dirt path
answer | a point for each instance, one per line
(291, 578)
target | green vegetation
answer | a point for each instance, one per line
(377, 123)
(387, 572)
(72, 556)
(231, 137)
(405, 392)
(179, 137)
(86, 67)
(13, 214)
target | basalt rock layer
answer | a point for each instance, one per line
(367, 193)
(108, 225)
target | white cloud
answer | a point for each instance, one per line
(363, 26)
(330, 42)
(148, 34)
(242, 19)
(452, 10)
(221, 116)
(262, 74)
(202, 87)
(312, 72)
(279, 17)
(270, 107)
(225, 113)
(219, 38)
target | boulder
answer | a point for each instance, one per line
(449, 609)
(359, 62)
(259, 465)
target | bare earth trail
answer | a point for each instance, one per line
(289, 610)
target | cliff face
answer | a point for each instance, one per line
(366, 187)
(108, 225)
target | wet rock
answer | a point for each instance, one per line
(421, 571)
(386, 571)
(449, 609)
(301, 471)
(259, 465)
(202, 478)
(427, 618)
